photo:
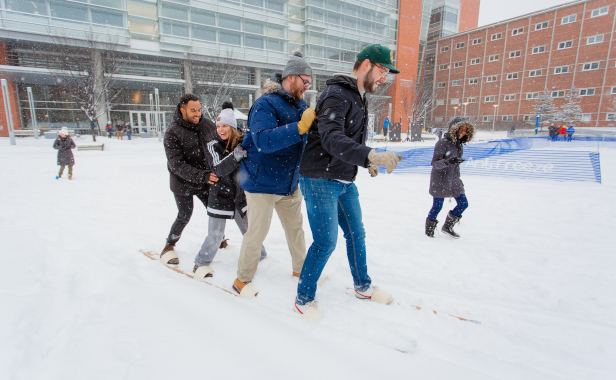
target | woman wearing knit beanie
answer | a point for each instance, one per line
(226, 198)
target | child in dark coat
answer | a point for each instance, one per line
(226, 198)
(64, 144)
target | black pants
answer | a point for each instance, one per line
(185, 210)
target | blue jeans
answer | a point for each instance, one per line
(437, 205)
(331, 204)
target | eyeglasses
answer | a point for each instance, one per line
(306, 83)
(384, 70)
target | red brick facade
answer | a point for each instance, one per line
(504, 60)
(4, 129)
(469, 14)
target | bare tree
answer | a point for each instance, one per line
(86, 68)
(571, 111)
(214, 82)
(378, 102)
(419, 103)
(613, 109)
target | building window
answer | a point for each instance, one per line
(610, 117)
(496, 36)
(515, 54)
(511, 76)
(440, 102)
(508, 118)
(568, 19)
(471, 100)
(204, 33)
(517, 31)
(69, 11)
(444, 49)
(177, 12)
(459, 45)
(106, 17)
(587, 92)
(490, 99)
(613, 90)
(591, 66)
(538, 49)
(561, 69)
(585, 117)
(509, 98)
(565, 45)
(475, 81)
(455, 101)
(442, 85)
(487, 118)
(443, 67)
(477, 41)
(558, 94)
(456, 83)
(491, 78)
(528, 117)
(594, 39)
(475, 61)
(534, 73)
(599, 12)
(494, 57)
(541, 25)
(532, 95)
(229, 37)
(175, 28)
(457, 64)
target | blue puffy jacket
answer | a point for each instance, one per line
(570, 130)
(273, 142)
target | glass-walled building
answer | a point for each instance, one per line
(169, 45)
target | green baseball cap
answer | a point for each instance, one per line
(378, 54)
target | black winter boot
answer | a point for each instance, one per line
(449, 223)
(430, 227)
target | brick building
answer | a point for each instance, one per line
(508, 64)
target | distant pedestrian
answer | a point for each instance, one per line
(128, 129)
(553, 132)
(439, 134)
(385, 126)
(563, 131)
(570, 132)
(512, 131)
(119, 130)
(109, 129)
(445, 178)
(64, 143)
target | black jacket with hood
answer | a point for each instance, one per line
(445, 179)
(336, 140)
(226, 195)
(185, 146)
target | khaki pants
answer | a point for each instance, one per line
(260, 209)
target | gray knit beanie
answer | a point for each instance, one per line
(297, 65)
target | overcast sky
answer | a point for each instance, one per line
(492, 11)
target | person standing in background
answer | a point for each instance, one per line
(64, 143)
(128, 129)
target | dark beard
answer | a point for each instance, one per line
(369, 83)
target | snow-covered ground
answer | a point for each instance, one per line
(79, 301)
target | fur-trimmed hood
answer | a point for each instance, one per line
(270, 86)
(453, 132)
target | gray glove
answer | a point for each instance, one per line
(388, 159)
(239, 153)
(373, 170)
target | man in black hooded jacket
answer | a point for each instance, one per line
(185, 144)
(334, 151)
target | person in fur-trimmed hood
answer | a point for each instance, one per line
(226, 199)
(445, 179)
(277, 126)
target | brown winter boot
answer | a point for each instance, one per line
(224, 244)
(167, 249)
(296, 274)
(70, 176)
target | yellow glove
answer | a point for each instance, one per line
(307, 118)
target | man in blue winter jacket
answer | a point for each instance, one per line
(334, 151)
(277, 126)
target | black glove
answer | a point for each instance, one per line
(455, 160)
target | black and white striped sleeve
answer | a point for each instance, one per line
(221, 165)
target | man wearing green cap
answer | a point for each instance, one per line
(334, 151)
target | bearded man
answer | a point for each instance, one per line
(334, 151)
(277, 126)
